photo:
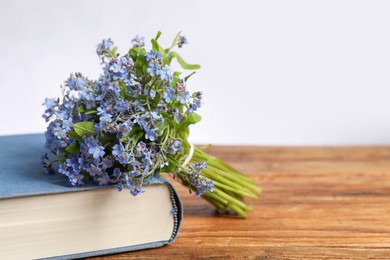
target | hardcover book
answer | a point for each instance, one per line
(43, 216)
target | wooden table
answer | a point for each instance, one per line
(317, 202)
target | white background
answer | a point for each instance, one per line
(273, 73)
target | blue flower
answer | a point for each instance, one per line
(199, 166)
(117, 173)
(106, 162)
(67, 124)
(89, 142)
(152, 69)
(96, 151)
(201, 184)
(114, 88)
(63, 115)
(76, 82)
(104, 46)
(103, 179)
(117, 67)
(151, 93)
(60, 133)
(181, 40)
(119, 186)
(122, 106)
(135, 188)
(106, 118)
(118, 150)
(76, 179)
(169, 95)
(153, 55)
(142, 123)
(177, 116)
(73, 164)
(176, 146)
(183, 97)
(194, 106)
(94, 170)
(164, 73)
(50, 103)
(141, 147)
(157, 117)
(156, 66)
(89, 104)
(124, 128)
(133, 173)
(151, 135)
(138, 41)
(135, 191)
(124, 158)
(101, 111)
(63, 169)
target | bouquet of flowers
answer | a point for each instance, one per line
(132, 124)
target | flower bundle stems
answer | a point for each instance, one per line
(230, 186)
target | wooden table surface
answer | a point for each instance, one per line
(317, 202)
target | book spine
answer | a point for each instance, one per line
(177, 212)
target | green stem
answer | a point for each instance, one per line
(234, 190)
(216, 197)
(239, 211)
(231, 200)
(218, 166)
(215, 203)
(218, 163)
(235, 195)
(234, 179)
(214, 176)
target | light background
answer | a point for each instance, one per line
(273, 73)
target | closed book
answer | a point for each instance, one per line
(43, 216)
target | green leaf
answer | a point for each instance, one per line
(158, 35)
(183, 134)
(81, 108)
(193, 118)
(129, 135)
(171, 167)
(61, 159)
(89, 112)
(84, 128)
(72, 149)
(182, 63)
(140, 63)
(122, 87)
(134, 52)
(75, 136)
(182, 129)
(158, 48)
(113, 51)
(139, 135)
(177, 73)
(187, 77)
(107, 138)
(155, 45)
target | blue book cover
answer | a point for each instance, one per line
(21, 176)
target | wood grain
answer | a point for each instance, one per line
(317, 202)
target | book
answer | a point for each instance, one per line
(43, 216)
